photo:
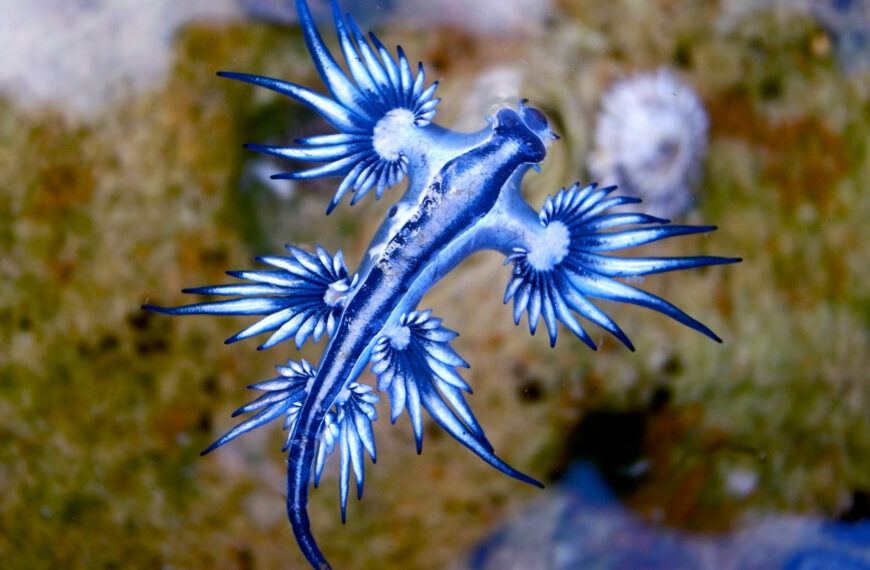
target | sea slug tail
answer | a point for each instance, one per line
(313, 435)
(317, 431)
(299, 465)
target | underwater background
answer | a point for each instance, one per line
(123, 180)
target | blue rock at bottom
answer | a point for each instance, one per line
(582, 524)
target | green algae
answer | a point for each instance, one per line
(105, 408)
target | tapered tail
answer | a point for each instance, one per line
(299, 462)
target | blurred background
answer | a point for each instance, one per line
(123, 180)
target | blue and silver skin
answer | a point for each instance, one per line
(463, 195)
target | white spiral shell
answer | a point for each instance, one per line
(650, 140)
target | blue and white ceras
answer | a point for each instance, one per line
(463, 195)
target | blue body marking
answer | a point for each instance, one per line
(463, 195)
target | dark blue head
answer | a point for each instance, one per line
(536, 121)
(529, 127)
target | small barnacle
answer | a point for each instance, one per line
(650, 140)
(463, 195)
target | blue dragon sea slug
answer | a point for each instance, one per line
(463, 195)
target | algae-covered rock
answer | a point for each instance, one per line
(106, 408)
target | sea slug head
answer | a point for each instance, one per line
(527, 126)
(536, 121)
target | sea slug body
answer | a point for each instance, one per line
(463, 195)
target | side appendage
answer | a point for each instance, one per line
(560, 264)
